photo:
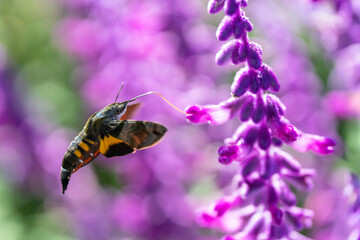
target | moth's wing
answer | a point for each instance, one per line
(124, 137)
(130, 111)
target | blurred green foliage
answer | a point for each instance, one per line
(43, 74)
(26, 31)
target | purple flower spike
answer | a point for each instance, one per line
(247, 109)
(215, 6)
(225, 53)
(227, 154)
(231, 7)
(241, 83)
(318, 144)
(268, 78)
(259, 111)
(225, 28)
(264, 137)
(283, 130)
(262, 182)
(254, 53)
(254, 85)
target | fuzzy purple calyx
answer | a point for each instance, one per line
(254, 84)
(241, 83)
(264, 138)
(225, 53)
(283, 130)
(225, 28)
(259, 111)
(268, 78)
(230, 7)
(247, 109)
(239, 53)
(215, 6)
(254, 53)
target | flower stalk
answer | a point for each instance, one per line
(262, 204)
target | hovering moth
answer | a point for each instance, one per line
(110, 133)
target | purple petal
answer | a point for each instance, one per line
(299, 217)
(225, 28)
(215, 6)
(318, 144)
(302, 179)
(280, 128)
(254, 53)
(241, 83)
(285, 160)
(225, 53)
(227, 154)
(212, 114)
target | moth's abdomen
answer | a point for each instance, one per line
(80, 152)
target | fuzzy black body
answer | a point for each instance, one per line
(105, 132)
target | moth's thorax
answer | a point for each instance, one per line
(113, 111)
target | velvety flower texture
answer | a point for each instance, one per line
(262, 205)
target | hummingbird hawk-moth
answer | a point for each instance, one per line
(110, 133)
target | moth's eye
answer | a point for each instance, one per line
(118, 111)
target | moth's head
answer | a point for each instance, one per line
(115, 110)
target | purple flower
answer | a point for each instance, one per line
(318, 144)
(261, 205)
(213, 114)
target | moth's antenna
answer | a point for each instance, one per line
(122, 85)
(161, 97)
